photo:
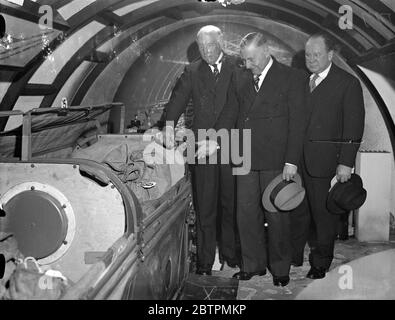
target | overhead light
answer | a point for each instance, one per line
(225, 2)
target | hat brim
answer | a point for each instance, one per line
(331, 205)
(333, 183)
(267, 204)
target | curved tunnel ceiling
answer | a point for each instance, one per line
(104, 21)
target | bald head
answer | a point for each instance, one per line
(210, 41)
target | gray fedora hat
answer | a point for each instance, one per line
(281, 195)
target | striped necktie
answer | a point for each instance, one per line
(256, 83)
(215, 72)
(312, 82)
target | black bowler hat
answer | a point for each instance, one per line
(282, 195)
(347, 196)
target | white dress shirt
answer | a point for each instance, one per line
(263, 74)
(321, 76)
(218, 63)
(262, 77)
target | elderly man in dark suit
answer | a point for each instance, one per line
(270, 99)
(334, 131)
(206, 82)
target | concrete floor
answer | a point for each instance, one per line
(350, 252)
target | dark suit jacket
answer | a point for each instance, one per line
(336, 111)
(276, 115)
(208, 97)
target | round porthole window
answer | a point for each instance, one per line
(41, 219)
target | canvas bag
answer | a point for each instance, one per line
(147, 181)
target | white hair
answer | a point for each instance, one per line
(209, 29)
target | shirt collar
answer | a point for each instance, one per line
(266, 70)
(219, 60)
(324, 73)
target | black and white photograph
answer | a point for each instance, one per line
(197, 155)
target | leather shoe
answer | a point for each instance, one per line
(242, 275)
(280, 281)
(316, 273)
(203, 272)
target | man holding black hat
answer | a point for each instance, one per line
(333, 136)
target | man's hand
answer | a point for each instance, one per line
(289, 171)
(206, 148)
(343, 173)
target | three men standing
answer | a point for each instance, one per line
(312, 125)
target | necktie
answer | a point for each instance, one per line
(215, 72)
(312, 82)
(256, 83)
